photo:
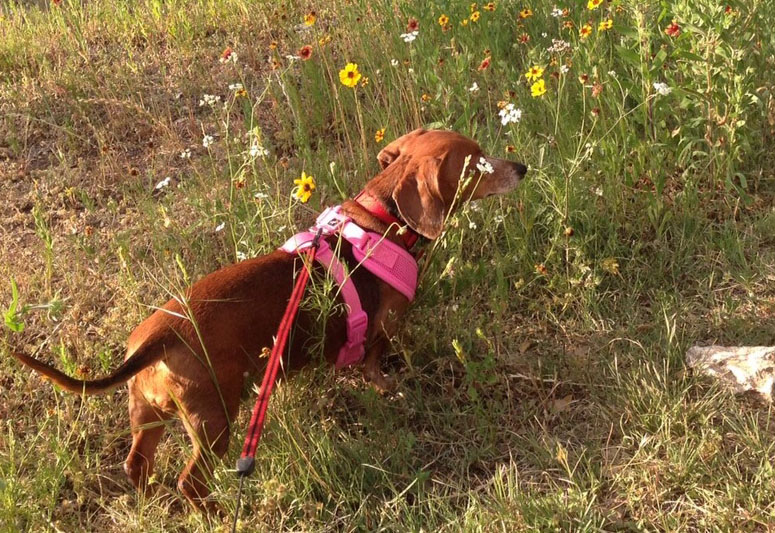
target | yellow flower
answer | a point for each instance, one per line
(311, 17)
(305, 186)
(489, 6)
(475, 16)
(610, 265)
(324, 40)
(443, 20)
(605, 25)
(538, 88)
(585, 31)
(534, 73)
(365, 81)
(525, 13)
(474, 7)
(594, 4)
(349, 75)
(464, 22)
(380, 135)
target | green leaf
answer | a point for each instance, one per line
(11, 318)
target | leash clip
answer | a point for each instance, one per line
(316, 240)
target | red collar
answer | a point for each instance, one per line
(374, 206)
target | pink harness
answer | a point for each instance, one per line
(380, 256)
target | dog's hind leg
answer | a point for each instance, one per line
(148, 425)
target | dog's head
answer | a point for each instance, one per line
(426, 174)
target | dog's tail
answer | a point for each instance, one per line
(145, 355)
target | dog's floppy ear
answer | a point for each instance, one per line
(419, 199)
(393, 150)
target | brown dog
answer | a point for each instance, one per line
(191, 357)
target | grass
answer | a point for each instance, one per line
(541, 376)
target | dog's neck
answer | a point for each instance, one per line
(375, 214)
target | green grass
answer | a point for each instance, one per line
(541, 377)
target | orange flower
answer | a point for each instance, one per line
(305, 52)
(585, 31)
(413, 25)
(526, 13)
(310, 18)
(485, 64)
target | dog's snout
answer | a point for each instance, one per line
(520, 168)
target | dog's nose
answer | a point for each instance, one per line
(520, 168)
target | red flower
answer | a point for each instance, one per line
(305, 52)
(484, 64)
(674, 30)
(413, 25)
(524, 38)
(226, 53)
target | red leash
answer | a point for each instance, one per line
(246, 463)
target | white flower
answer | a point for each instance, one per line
(662, 88)
(292, 57)
(544, 35)
(472, 225)
(484, 166)
(558, 46)
(409, 37)
(256, 150)
(241, 256)
(612, 73)
(260, 196)
(598, 191)
(564, 69)
(474, 88)
(410, 70)
(209, 99)
(510, 114)
(232, 58)
(207, 140)
(556, 12)
(220, 227)
(163, 183)
(394, 62)
(235, 87)
(185, 154)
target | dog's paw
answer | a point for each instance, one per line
(382, 383)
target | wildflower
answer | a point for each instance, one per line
(443, 20)
(207, 141)
(275, 64)
(484, 64)
(538, 89)
(185, 154)
(612, 73)
(273, 45)
(464, 22)
(559, 47)
(409, 37)
(235, 86)
(209, 99)
(291, 57)
(305, 186)
(583, 78)
(474, 6)
(610, 265)
(567, 25)
(240, 183)
(524, 38)
(475, 16)
(489, 6)
(556, 12)
(526, 13)
(510, 149)
(163, 183)
(324, 40)
(673, 30)
(256, 150)
(365, 80)
(510, 114)
(412, 25)
(585, 31)
(474, 88)
(472, 224)
(594, 4)
(228, 56)
(484, 166)
(541, 269)
(349, 75)
(425, 97)
(502, 103)
(534, 73)
(305, 52)
(564, 69)
(597, 88)
(310, 18)
(605, 25)
(379, 135)
(220, 227)
(662, 88)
